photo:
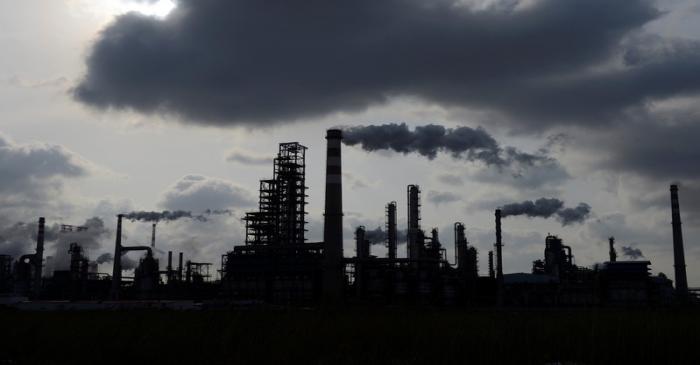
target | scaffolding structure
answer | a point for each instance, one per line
(281, 211)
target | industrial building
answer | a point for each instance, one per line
(277, 264)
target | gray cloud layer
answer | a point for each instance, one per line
(32, 169)
(255, 62)
(442, 197)
(200, 193)
(247, 158)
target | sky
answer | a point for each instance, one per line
(575, 115)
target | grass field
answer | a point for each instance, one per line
(354, 336)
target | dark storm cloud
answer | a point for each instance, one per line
(546, 208)
(261, 62)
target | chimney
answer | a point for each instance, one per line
(391, 238)
(179, 268)
(460, 246)
(499, 245)
(678, 252)
(117, 268)
(613, 253)
(333, 219)
(153, 236)
(169, 269)
(414, 243)
(39, 257)
(492, 274)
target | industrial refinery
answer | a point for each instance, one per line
(277, 265)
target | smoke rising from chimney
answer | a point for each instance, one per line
(462, 142)
(20, 238)
(128, 263)
(166, 216)
(578, 214)
(546, 208)
(378, 236)
(632, 253)
(169, 216)
(104, 258)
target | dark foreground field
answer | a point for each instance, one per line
(399, 336)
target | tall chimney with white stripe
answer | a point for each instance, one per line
(334, 276)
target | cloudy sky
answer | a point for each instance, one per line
(110, 106)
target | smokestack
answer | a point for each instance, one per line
(413, 246)
(678, 252)
(333, 219)
(613, 253)
(391, 238)
(492, 274)
(499, 245)
(117, 268)
(153, 236)
(179, 268)
(39, 257)
(170, 267)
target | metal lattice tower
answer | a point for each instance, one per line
(281, 215)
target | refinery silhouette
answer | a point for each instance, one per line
(278, 265)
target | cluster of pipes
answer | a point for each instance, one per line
(416, 240)
(148, 265)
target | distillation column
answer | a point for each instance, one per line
(414, 244)
(391, 238)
